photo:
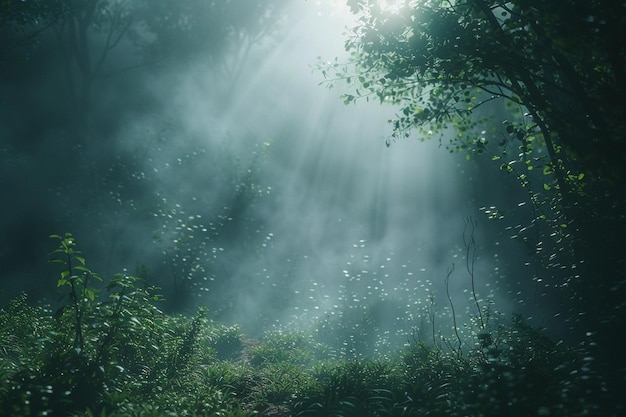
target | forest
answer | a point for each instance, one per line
(312, 208)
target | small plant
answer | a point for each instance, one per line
(74, 275)
(180, 358)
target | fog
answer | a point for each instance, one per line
(257, 193)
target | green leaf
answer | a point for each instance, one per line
(90, 294)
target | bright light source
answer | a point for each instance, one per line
(391, 6)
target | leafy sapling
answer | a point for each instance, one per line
(74, 275)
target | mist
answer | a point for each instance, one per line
(250, 188)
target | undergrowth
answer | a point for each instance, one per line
(116, 354)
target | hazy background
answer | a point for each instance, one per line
(247, 187)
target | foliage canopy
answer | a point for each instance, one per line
(554, 77)
(443, 60)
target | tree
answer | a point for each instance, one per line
(549, 77)
(87, 32)
(80, 85)
(220, 32)
(142, 32)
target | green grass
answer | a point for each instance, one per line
(117, 354)
(137, 361)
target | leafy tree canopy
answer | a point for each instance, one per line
(548, 77)
(560, 63)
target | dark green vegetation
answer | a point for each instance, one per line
(539, 88)
(116, 354)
